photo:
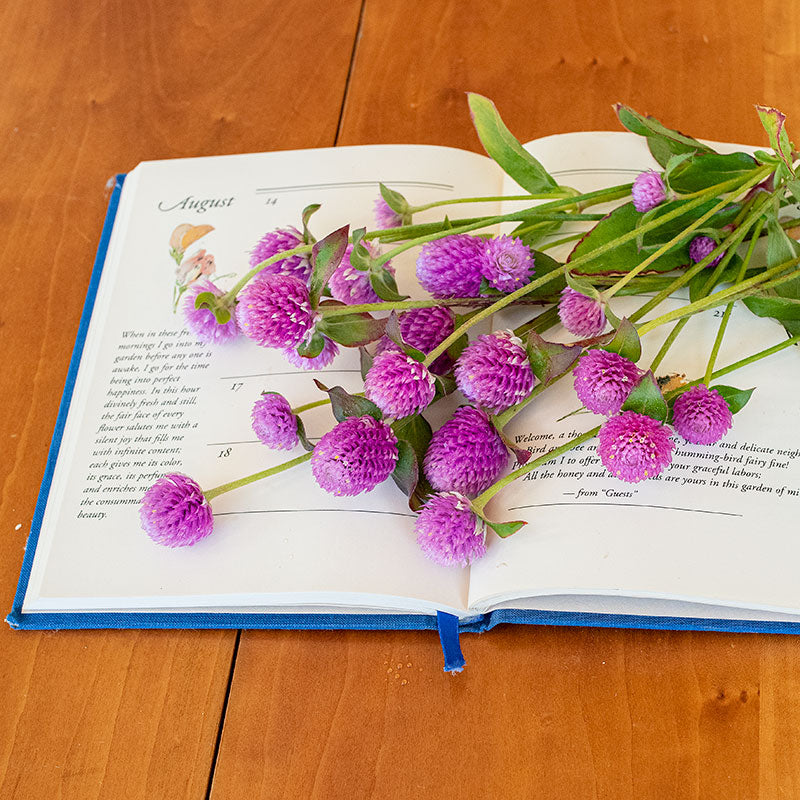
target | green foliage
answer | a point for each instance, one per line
(505, 529)
(351, 330)
(394, 200)
(625, 341)
(344, 404)
(308, 211)
(774, 123)
(313, 347)
(735, 398)
(326, 255)
(406, 470)
(708, 169)
(646, 398)
(549, 359)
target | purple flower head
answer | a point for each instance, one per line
(354, 457)
(398, 385)
(274, 423)
(701, 415)
(201, 321)
(508, 263)
(579, 314)
(700, 247)
(449, 532)
(329, 351)
(275, 311)
(466, 454)
(648, 191)
(634, 447)
(494, 372)
(424, 329)
(174, 511)
(452, 266)
(604, 380)
(351, 286)
(385, 217)
(274, 242)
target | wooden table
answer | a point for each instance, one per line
(91, 89)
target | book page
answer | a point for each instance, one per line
(149, 400)
(716, 527)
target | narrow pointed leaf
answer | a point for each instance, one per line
(394, 199)
(344, 404)
(549, 359)
(646, 398)
(625, 341)
(505, 529)
(735, 398)
(774, 123)
(308, 211)
(326, 255)
(406, 470)
(352, 330)
(301, 435)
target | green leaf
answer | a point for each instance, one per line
(415, 430)
(313, 347)
(301, 435)
(505, 150)
(394, 199)
(780, 246)
(625, 341)
(549, 359)
(735, 398)
(581, 287)
(222, 314)
(708, 169)
(394, 333)
(531, 235)
(697, 285)
(421, 494)
(794, 187)
(646, 398)
(664, 142)
(205, 300)
(774, 123)
(344, 404)
(666, 231)
(505, 529)
(385, 286)
(784, 309)
(544, 265)
(352, 330)
(308, 237)
(406, 470)
(445, 385)
(360, 257)
(326, 255)
(365, 361)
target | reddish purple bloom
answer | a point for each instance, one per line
(201, 321)
(701, 415)
(604, 380)
(648, 191)
(385, 217)
(354, 457)
(494, 372)
(452, 266)
(424, 329)
(273, 422)
(508, 263)
(399, 385)
(579, 314)
(275, 311)
(702, 246)
(277, 241)
(449, 532)
(634, 447)
(350, 285)
(466, 454)
(329, 351)
(174, 511)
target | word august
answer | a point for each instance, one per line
(199, 206)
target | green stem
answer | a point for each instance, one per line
(668, 342)
(496, 199)
(565, 240)
(234, 290)
(257, 476)
(404, 305)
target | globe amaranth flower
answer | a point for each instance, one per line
(329, 351)
(634, 447)
(494, 372)
(174, 511)
(508, 263)
(449, 532)
(273, 422)
(579, 314)
(466, 454)
(201, 321)
(354, 457)
(701, 415)
(277, 241)
(648, 191)
(275, 311)
(700, 247)
(350, 285)
(604, 380)
(452, 266)
(385, 216)
(424, 329)
(398, 384)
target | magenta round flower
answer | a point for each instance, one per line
(508, 263)
(604, 380)
(274, 242)
(466, 454)
(424, 329)
(275, 311)
(399, 385)
(701, 415)
(494, 372)
(201, 321)
(273, 422)
(700, 247)
(354, 457)
(452, 266)
(449, 532)
(174, 511)
(329, 351)
(648, 191)
(385, 217)
(579, 314)
(634, 447)
(350, 285)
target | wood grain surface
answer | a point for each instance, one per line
(90, 90)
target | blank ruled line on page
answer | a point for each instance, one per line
(316, 511)
(631, 505)
(447, 187)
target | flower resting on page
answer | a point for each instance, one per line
(634, 447)
(701, 415)
(174, 511)
(604, 380)
(350, 285)
(201, 321)
(273, 422)
(274, 242)
(449, 532)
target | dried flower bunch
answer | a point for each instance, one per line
(694, 223)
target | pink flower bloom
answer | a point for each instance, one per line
(648, 191)
(701, 415)
(174, 511)
(385, 217)
(350, 285)
(273, 422)
(604, 380)
(201, 263)
(452, 266)
(277, 241)
(700, 247)
(399, 385)
(329, 351)
(508, 263)
(449, 532)
(201, 321)
(634, 447)
(579, 314)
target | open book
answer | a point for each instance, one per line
(709, 542)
